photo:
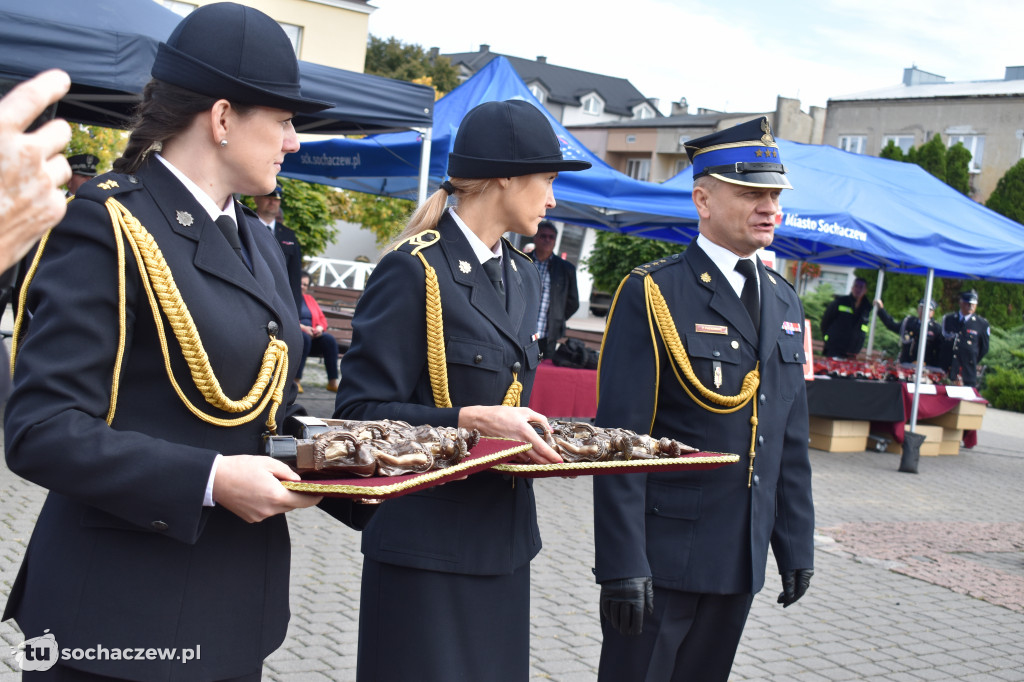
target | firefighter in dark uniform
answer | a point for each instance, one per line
(161, 346)
(844, 325)
(444, 334)
(909, 330)
(705, 347)
(965, 340)
(267, 208)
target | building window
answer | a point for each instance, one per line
(537, 92)
(638, 169)
(854, 144)
(592, 105)
(904, 142)
(180, 8)
(294, 34)
(643, 112)
(681, 165)
(975, 144)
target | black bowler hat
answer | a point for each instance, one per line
(235, 52)
(84, 164)
(743, 155)
(969, 296)
(504, 140)
(277, 193)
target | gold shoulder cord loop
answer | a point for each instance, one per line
(163, 294)
(437, 362)
(680, 361)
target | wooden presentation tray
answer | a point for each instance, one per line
(487, 453)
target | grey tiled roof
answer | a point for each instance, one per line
(564, 85)
(988, 88)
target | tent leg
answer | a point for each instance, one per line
(874, 310)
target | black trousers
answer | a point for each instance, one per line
(689, 636)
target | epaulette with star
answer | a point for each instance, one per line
(774, 276)
(417, 242)
(655, 265)
(102, 187)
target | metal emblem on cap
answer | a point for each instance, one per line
(465, 267)
(705, 277)
(766, 128)
(184, 218)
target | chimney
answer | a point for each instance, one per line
(1014, 73)
(434, 53)
(542, 60)
(680, 108)
(915, 76)
(485, 48)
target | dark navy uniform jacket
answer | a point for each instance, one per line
(706, 531)
(481, 525)
(124, 553)
(293, 259)
(965, 344)
(908, 330)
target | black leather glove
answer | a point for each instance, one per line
(624, 601)
(794, 584)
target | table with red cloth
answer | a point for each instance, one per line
(886, 404)
(564, 392)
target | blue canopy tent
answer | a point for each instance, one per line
(108, 47)
(864, 211)
(390, 164)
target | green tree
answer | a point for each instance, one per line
(958, 164)
(311, 210)
(105, 143)
(932, 157)
(384, 216)
(1008, 197)
(615, 254)
(892, 151)
(407, 62)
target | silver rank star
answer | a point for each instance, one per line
(465, 267)
(185, 218)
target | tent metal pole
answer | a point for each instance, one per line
(421, 196)
(922, 342)
(874, 310)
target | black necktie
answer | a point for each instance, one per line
(749, 295)
(492, 267)
(227, 226)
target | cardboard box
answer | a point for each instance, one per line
(954, 420)
(839, 427)
(839, 443)
(950, 443)
(932, 440)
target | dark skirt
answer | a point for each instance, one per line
(431, 626)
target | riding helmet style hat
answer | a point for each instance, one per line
(504, 140)
(238, 53)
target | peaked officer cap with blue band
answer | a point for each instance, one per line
(745, 154)
(235, 52)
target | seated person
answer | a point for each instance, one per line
(314, 341)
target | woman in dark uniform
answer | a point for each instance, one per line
(158, 344)
(444, 335)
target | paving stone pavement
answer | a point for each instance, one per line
(866, 616)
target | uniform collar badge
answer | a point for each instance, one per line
(185, 219)
(771, 279)
(705, 277)
(464, 267)
(513, 264)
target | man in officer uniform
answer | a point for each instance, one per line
(268, 208)
(705, 347)
(845, 322)
(965, 336)
(909, 330)
(83, 169)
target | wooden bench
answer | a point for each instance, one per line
(591, 339)
(338, 306)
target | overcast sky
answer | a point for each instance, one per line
(729, 56)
